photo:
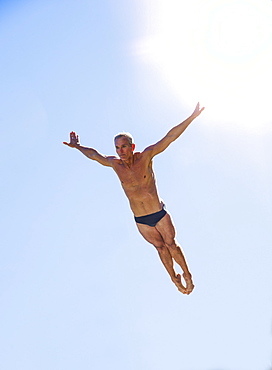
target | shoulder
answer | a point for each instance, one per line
(145, 157)
(114, 161)
(108, 161)
(112, 158)
(148, 153)
(139, 156)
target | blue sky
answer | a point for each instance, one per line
(80, 288)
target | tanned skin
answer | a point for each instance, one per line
(137, 177)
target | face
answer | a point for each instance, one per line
(123, 148)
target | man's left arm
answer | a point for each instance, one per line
(173, 134)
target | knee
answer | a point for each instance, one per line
(160, 246)
(171, 244)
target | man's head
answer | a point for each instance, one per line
(124, 145)
(127, 135)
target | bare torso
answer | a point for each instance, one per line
(139, 183)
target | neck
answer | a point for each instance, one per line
(129, 161)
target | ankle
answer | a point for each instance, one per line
(187, 275)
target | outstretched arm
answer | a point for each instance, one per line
(89, 152)
(173, 134)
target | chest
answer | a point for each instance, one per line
(137, 174)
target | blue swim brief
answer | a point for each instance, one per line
(152, 219)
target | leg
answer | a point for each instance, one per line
(153, 236)
(167, 230)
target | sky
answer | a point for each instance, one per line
(80, 288)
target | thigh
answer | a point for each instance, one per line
(151, 234)
(166, 229)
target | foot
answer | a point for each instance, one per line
(189, 283)
(179, 285)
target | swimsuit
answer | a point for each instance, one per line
(152, 219)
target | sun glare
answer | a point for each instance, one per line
(218, 52)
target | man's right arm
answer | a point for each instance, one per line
(89, 152)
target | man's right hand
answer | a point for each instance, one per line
(74, 140)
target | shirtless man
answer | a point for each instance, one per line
(138, 181)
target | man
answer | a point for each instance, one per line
(138, 181)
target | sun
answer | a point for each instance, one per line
(218, 52)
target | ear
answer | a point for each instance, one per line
(133, 147)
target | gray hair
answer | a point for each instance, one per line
(127, 135)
